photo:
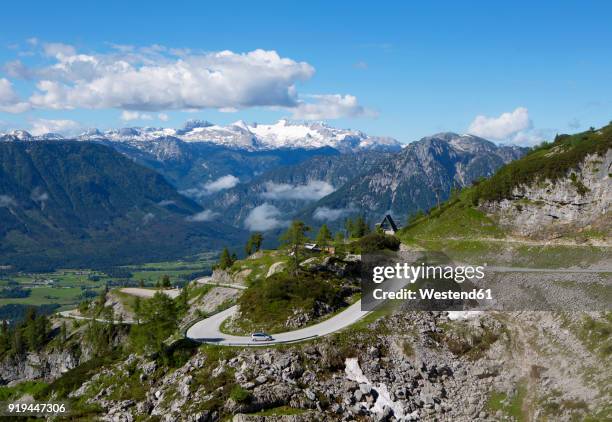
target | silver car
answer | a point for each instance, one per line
(261, 337)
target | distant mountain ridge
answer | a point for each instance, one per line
(84, 204)
(368, 183)
(418, 177)
(240, 135)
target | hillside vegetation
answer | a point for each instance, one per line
(549, 161)
(469, 224)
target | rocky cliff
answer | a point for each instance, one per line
(579, 203)
(416, 366)
(45, 366)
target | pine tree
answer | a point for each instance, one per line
(184, 299)
(324, 236)
(248, 248)
(225, 260)
(349, 226)
(165, 281)
(360, 227)
(137, 309)
(294, 238)
(257, 239)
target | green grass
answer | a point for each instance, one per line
(258, 267)
(69, 284)
(596, 334)
(42, 295)
(269, 303)
(280, 411)
(455, 219)
(510, 406)
(28, 387)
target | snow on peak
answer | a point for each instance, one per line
(282, 134)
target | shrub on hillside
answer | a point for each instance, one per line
(375, 242)
(271, 301)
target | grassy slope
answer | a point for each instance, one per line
(463, 232)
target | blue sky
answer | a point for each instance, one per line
(407, 70)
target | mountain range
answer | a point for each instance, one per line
(331, 188)
(83, 204)
(240, 135)
(138, 186)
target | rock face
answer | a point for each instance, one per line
(427, 368)
(421, 175)
(548, 209)
(37, 366)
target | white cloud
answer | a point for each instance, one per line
(264, 217)
(127, 116)
(7, 201)
(9, 100)
(157, 78)
(42, 126)
(503, 126)
(206, 215)
(223, 182)
(532, 137)
(153, 79)
(331, 214)
(334, 106)
(314, 190)
(58, 50)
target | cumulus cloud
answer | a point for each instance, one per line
(532, 137)
(58, 50)
(264, 217)
(127, 116)
(314, 190)
(331, 214)
(502, 127)
(42, 126)
(333, 106)
(154, 79)
(206, 215)
(9, 100)
(7, 201)
(224, 182)
(157, 78)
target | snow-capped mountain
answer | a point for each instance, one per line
(240, 135)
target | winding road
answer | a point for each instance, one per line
(208, 330)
